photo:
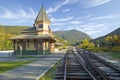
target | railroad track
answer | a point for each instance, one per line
(83, 65)
(106, 69)
(72, 68)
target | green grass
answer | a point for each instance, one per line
(105, 49)
(50, 74)
(5, 66)
(101, 49)
(115, 54)
(28, 57)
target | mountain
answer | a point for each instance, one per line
(72, 36)
(115, 32)
(13, 29)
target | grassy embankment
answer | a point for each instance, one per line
(115, 54)
(5, 66)
(113, 51)
(49, 75)
(105, 49)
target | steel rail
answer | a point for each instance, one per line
(80, 62)
(65, 66)
(88, 61)
(104, 62)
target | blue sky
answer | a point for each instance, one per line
(94, 17)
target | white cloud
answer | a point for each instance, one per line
(33, 13)
(92, 25)
(54, 9)
(75, 22)
(88, 3)
(20, 21)
(89, 32)
(72, 22)
(65, 21)
(51, 10)
(66, 10)
(93, 3)
(105, 17)
(6, 13)
(59, 23)
(74, 1)
(86, 17)
(56, 29)
(62, 19)
(17, 14)
(92, 28)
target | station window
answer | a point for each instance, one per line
(49, 27)
(40, 26)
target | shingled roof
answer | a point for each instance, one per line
(42, 16)
(32, 37)
(30, 29)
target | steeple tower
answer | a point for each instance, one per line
(42, 16)
(42, 22)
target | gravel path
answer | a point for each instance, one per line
(108, 58)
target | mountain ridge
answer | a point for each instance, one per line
(114, 32)
(72, 36)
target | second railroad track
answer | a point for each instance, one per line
(79, 64)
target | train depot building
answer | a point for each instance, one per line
(37, 39)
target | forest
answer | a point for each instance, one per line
(109, 43)
(5, 33)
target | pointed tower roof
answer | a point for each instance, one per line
(42, 15)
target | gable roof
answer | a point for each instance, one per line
(42, 15)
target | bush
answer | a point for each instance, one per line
(101, 49)
(105, 49)
(115, 49)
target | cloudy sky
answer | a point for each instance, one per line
(94, 17)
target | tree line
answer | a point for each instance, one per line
(7, 32)
(5, 44)
(109, 42)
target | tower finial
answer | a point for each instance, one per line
(42, 3)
